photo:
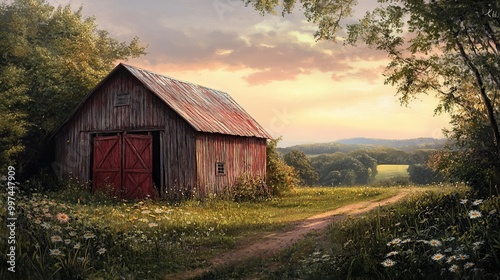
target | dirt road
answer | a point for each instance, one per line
(275, 242)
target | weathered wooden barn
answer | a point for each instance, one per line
(138, 133)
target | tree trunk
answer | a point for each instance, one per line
(484, 97)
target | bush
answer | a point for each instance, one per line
(280, 176)
(249, 188)
(423, 174)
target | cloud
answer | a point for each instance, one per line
(224, 34)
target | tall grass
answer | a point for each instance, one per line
(72, 234)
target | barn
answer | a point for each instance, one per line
(138, 133)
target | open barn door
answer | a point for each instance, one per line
(123, 165)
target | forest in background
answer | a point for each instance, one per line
(354, 161)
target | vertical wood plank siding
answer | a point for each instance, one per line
(241, 155)
(144, 112)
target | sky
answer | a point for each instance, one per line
(295, 87)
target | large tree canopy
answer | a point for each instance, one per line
(441, 47)
(49, 59)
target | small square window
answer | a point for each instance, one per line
(220, 168)
(122, 99)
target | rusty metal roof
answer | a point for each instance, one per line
(205, 109)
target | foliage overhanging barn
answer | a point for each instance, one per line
(138, 133)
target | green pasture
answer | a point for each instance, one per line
(391, 171)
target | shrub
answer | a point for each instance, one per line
(249, 188)
(280, 176)
(422, 174)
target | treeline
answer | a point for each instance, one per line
(356, 167)
(367, 144)
(383, 155)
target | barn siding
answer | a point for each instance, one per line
(241, 155)
(145, 112)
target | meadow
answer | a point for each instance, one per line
(72, 234)
(391, 171)
(445, 232)
(442, 232)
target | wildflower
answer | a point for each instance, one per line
(55, 252)
(72, 233)
(473, 214)
(395, 241)
(388, 263)
(406, 241)
(77, 246)
(435, 243)
(390, 254)
(88, 235)
(56, 238)
(462, 257)
(101, 251)
(451, 259)
(477, 202)
(438, 257)
(67, 241)
(453, 268)
(37, 221)
(45, 225)
(47, 215)
(468, 265)
(477, 244)
(463, 201)
(145, 212)
(151, 225)
(62, 218)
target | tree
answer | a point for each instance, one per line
(51, 57)
(441, 47)
(340, 169)
(302, 165)
(422, 174)
(368, 162)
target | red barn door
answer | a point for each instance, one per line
(107, 164)
(137, 166)
(123, 165)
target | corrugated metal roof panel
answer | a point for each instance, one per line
(205, 109)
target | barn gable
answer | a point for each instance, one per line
(192, 130)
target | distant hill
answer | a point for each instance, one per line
(351, 144)
(406, 144)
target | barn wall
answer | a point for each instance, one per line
(241, 155)
(144, 112)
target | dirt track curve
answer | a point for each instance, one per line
(275, 242)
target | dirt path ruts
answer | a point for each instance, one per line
(273, 243)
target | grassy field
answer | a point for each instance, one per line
(390, 171)
(443, 233)
(72, 234)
